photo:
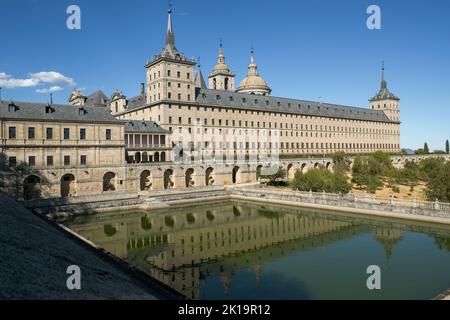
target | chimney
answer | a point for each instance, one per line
(142, 89)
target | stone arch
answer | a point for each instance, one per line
(144, 157)
(328, 166)
(156, 157)
(209, 176)
(290, 171)
(109, 181)
(189, 178)
(68, 186)
(137, 157)
(304, 167)
(145, 180)
(168, 179)
(31, 188)
(258, 172)
(316, 165)
(236, 175)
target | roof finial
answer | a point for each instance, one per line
(252, 59)
(199, 64)
(170, 7)
(51, 97)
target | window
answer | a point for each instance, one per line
(49, 161)
(169, 84)
(31, 161)
(67, 160)
(108, 134)
(170, 119)
(188, 75)
(49, 133)
(83, 160)
(12, 132)
(66, 133)
(82, 134)
(179, 96)
(168, 73)
(178, 74)
(12, 161)
(31, 133)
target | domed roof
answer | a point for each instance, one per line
(253, 83)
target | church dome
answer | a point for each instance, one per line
(253, 83)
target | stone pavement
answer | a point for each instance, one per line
(34, 256)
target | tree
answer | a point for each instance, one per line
(447, 147)
(281, 173)
(341, 162)
(426, 150)
(359, 172)
(439, 186)
(320, 179)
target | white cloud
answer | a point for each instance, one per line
(53, 77)
(35, 79)
(51, 89)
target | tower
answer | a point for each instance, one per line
(221, 78)
(386, 101)
(170, 75)
(253, 83)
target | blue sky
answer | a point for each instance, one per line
(304, 49)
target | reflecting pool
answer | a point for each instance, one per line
(241, 250)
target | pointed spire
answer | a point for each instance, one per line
(199, 80)
(383, 82)
(220, 57)
(252, 67)
(170, 36)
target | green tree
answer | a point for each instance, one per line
(320, 179)
(359, 172)
(341, 162)
(447, 147)
(280, 174)
(439, 185)
(426, 150)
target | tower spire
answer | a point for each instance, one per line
(170, 36)
(383, 82)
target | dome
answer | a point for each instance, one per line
(253, 83)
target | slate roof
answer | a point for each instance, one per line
(143, 127)
(218, 98)
(97, 99)
(54, 112)
(137, 102)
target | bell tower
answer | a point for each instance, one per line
(221, 78)
(386, 101)
(170, 75)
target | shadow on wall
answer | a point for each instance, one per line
(21, 181)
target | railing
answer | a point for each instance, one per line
(351, 200)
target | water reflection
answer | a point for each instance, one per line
(201, 250)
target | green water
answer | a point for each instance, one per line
(237, 250)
